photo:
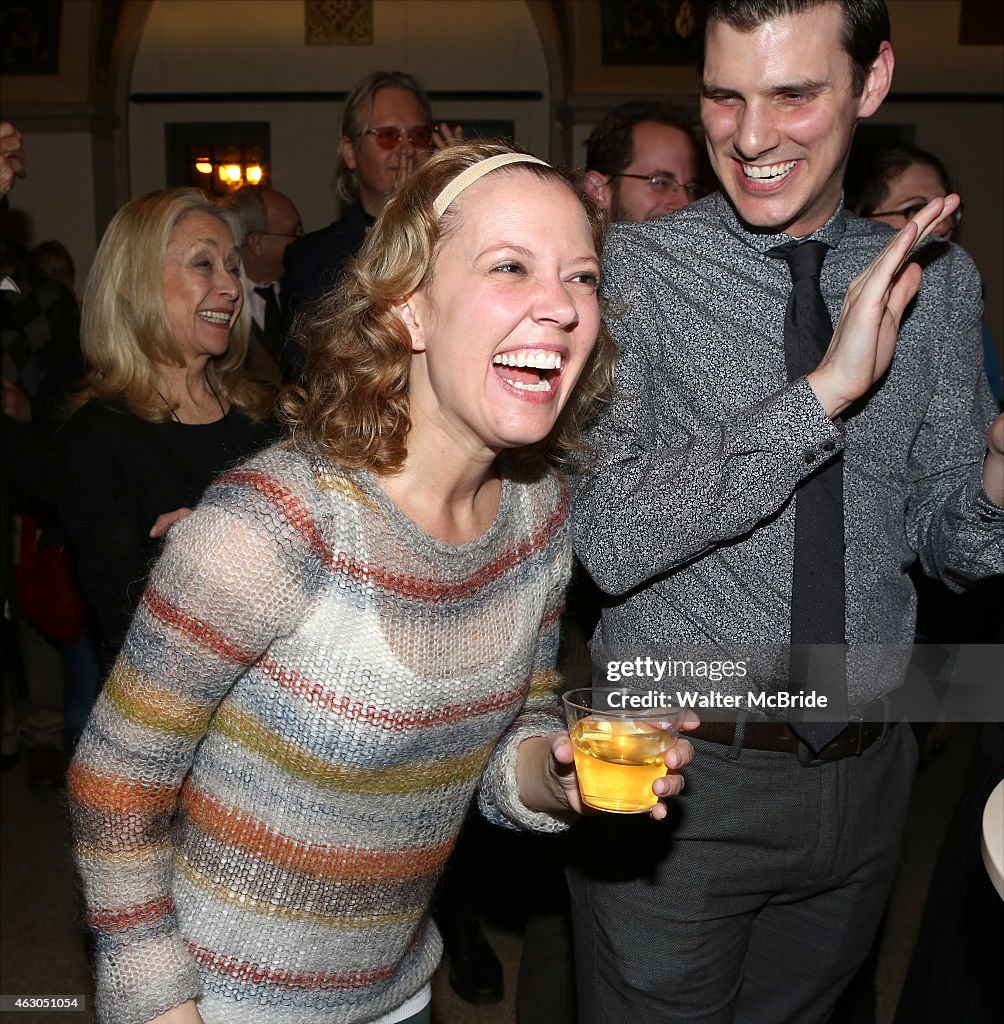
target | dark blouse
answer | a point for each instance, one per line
(120, 473)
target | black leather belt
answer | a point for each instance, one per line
(859, 735)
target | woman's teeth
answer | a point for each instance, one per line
(536, 359)
(543, 385)
(211, 316)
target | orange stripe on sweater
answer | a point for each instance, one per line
(551, 617)
(424, 589)
(387, 718)
(412, 587)
(171, 615)
(127, 917)
(245, 970)
(283, 499)
(319, 860)
(100, 791)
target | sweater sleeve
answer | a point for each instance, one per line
(541, 714)
(230, 581)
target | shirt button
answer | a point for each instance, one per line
(829, 446)
(810, 456)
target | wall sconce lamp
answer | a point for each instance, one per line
(221, 170)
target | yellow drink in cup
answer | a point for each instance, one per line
(619, 749)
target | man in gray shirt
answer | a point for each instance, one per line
(763, 896)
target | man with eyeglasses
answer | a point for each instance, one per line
(642, 161)
(387, 132)
(269, 221)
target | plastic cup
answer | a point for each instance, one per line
(620, 745)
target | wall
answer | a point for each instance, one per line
(57, 196)
(474, 45)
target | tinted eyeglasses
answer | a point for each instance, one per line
(909, 212)
(667, 185)
(390, 138)
(297, 232)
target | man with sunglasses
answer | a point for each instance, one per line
(642, 161)
(387, 132)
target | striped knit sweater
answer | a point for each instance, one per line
(283, 754)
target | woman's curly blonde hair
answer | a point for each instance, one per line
(354, 403)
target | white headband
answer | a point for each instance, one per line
(471, 174)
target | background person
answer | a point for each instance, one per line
(11, 157)
(387, 132)
(890, 183)
(316, 679)
(54, 261)
(40, 342)
(165, 405)
(267, 222)
(643, 161)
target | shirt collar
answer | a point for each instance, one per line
(760, 241)
(356, 216)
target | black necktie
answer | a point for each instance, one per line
(272, 329)
(817, 587)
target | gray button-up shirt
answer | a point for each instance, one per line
(687, 516)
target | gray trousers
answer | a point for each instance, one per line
(753, 903)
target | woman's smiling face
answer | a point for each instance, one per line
(502, 330)
(202, 286)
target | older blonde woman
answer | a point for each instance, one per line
(356, 628)
(165, 405)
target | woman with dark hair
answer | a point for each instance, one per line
(166, 404)
(357, 629)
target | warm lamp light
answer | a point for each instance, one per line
(222, 170)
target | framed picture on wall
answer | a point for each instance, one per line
(660, 32)
(29, 36)
(338, 22)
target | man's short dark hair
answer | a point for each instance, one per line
(870, 171)
(866, 24)
(357, 103)
(610, 146)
